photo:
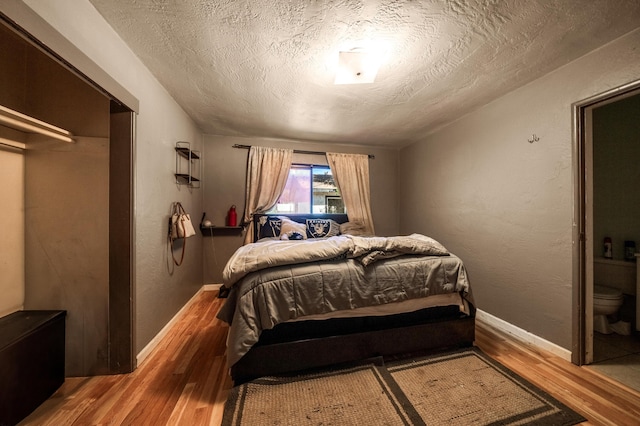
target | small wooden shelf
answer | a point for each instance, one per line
(209, 231)
(186, 178)
(187, 165)
(186, 153)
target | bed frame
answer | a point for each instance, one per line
(266, 359)
(303, 345)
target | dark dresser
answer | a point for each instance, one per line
(31, 361)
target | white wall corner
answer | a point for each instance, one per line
(522, 335)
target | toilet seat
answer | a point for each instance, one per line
(606, 293)
(606, 301)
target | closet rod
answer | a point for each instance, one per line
(22, 122)
(11, 144)
(298, 151)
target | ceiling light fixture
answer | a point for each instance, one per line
(357, 66)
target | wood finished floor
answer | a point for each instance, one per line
(185, 381)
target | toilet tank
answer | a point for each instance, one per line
(618, 274)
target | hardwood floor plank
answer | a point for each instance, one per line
(602, 402)
(107, 390)
(177, 416)
(185, 380)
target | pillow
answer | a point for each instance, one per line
(355, 227)
(293, 235)
(322, 228)
(289, 228)
(269, 227)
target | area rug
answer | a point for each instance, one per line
(464, 387)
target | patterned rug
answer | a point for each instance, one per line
(464, 387)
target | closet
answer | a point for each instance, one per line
(65, 156)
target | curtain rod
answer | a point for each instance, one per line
(297, 151)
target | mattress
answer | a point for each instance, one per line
(339, 284)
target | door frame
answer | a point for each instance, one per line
(122, 332)
(582, 233)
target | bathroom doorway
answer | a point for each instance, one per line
(607, 202)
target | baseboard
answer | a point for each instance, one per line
(146, 351)
(522, 335)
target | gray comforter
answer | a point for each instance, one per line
(277, 281)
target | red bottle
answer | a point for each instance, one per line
(232, 217)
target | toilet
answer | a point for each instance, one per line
(606, 301)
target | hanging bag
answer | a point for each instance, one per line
(180, 226)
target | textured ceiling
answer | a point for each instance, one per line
(266, 68)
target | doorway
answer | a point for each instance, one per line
(602, 155)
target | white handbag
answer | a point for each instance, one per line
(180, 226)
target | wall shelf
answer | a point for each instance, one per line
(186, 174)
(210, 231)
(185, 179)
(186, 152)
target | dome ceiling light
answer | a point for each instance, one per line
(357, 66)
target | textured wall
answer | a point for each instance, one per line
(504, 205)
(224, 185)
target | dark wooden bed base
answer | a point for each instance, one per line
(293, 347)
(307, 353)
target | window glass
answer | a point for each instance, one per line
(309, 189)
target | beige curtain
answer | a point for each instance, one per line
(267, 173)
(351, 174)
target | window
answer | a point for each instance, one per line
(309, 189)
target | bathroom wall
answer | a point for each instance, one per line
(616, 175)
(505, 205)
(224, 185)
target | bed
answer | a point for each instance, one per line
(313, 291)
